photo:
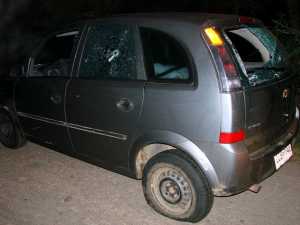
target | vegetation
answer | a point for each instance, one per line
(290, 37)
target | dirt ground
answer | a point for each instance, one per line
(41, 187)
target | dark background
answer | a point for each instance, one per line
(24, 22)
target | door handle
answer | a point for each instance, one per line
(56, 99)
(125, 105)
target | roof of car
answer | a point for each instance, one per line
(172, 16)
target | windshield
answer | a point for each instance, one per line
(259, 53)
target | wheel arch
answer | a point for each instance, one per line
(9, 107)
(152, 143)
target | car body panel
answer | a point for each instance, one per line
(39, 103)
(92, 105)
(269, 113)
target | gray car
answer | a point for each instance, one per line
(195, 105)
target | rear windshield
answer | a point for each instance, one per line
(259, 53)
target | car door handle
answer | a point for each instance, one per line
(56, 99)
(125, 105)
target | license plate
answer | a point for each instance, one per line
(283, 156)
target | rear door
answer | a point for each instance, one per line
(40, 97)
(269, 89)
(105, 101)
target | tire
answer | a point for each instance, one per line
(10, 135)
(176, 187)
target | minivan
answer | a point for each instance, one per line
(195, 105)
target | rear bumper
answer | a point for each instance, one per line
(262, 162)
(237, 170)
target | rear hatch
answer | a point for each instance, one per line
(269, 91)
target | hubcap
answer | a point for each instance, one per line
(5, 129)
(170, 191)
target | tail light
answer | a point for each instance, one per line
(232, 137)
(229, 77)
(214, 37)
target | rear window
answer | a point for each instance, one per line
(259, 53)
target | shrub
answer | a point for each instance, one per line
(290, 37)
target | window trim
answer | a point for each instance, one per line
(189, 61)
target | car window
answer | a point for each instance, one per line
(109, 53)
(165, 58)
(261, 54)
(55, 58)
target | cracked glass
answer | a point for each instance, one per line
(109, 53)
(260, 54)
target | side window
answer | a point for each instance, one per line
(55, 58)
(109, 53)
(165, 58)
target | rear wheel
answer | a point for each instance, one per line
(176, 187)
(10, 135)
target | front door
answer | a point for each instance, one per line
(40, 96)
(105, 101)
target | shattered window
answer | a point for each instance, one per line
(165, 58)
(109, 53)
(55, 58)
(262, 56)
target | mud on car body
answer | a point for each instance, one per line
(195, 105)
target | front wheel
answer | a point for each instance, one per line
(176, 187)
(10, 135)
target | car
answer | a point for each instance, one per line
(195, 105)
